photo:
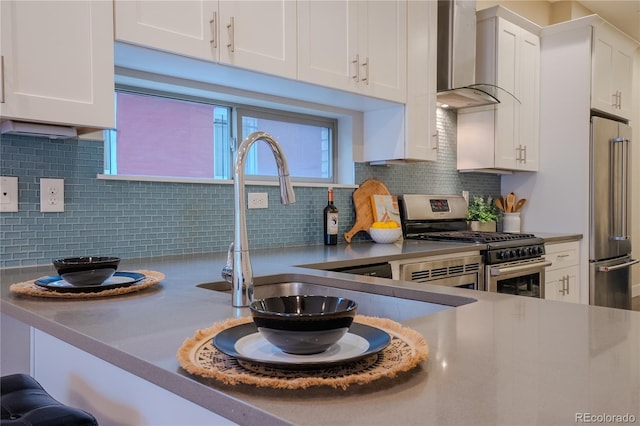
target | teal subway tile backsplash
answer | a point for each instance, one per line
(140, 219)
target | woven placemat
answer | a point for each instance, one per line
(407, 349)
(29, 288)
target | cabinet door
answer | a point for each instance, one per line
(57, 70)
(382, 48)
(517, 71)
(507, 113)
(259, 35)
(408, 132)
(185, 27)
(504, 136)
(420, 109)
(328, 43)
(623, 80)
(612, 67)
(528, 110)
(562, 284)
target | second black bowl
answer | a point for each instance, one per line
(303, 325)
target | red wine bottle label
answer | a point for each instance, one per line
(332, 223)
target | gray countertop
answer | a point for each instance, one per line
(499, 360)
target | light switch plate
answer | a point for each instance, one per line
(8, 194)
(51, 195)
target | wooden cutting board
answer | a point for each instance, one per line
(362, 204)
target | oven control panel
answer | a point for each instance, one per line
(509, 254)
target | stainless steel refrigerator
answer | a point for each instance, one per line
(610, 214)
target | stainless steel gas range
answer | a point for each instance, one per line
(509, 262)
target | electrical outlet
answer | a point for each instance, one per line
(258, 200)
(51, 195)
(8, 194)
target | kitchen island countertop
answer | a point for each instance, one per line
(499, 360)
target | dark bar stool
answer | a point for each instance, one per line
(25, 402)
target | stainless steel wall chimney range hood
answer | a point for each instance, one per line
(457, 58)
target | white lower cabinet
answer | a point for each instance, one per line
(114, 396)
(562, 278)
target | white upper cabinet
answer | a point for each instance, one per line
(408, 132)
(504, 136)
(257, 35)
(612, 71)
(328, 43)
(186, 27)
(57, 62)
(359, 46)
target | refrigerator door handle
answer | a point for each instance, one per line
(619, 189)
(615, 267)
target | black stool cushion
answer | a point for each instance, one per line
(25, 402)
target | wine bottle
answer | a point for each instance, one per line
(330, 221)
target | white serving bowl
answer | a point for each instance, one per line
(385, 235)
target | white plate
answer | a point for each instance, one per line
(244, 342)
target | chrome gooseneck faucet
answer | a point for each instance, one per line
(238, 269)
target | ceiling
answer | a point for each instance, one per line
(624, 14)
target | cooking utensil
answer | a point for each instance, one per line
(362, 204)
(510, 201)
(519, 204)
(500, 203)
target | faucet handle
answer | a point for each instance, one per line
(227, 271)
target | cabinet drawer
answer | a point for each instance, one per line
(562, 255)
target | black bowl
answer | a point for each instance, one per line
(303, 325)
(86, 270)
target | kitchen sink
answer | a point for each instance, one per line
(397, 305)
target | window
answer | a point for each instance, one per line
(163, 136)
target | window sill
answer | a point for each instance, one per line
(217, 181)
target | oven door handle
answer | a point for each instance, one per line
(496, 270)
(620, 266)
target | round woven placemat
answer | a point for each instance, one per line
(29, 288)
(407, 349)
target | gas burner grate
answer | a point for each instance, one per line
(471, 236)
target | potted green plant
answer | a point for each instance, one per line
(482, 214)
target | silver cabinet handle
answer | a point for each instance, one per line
(521, 154)
(619, 100)
(231, 30)
(563, 290)
(616, 267)
(213, 23)
(356, 62)
(365, 65)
